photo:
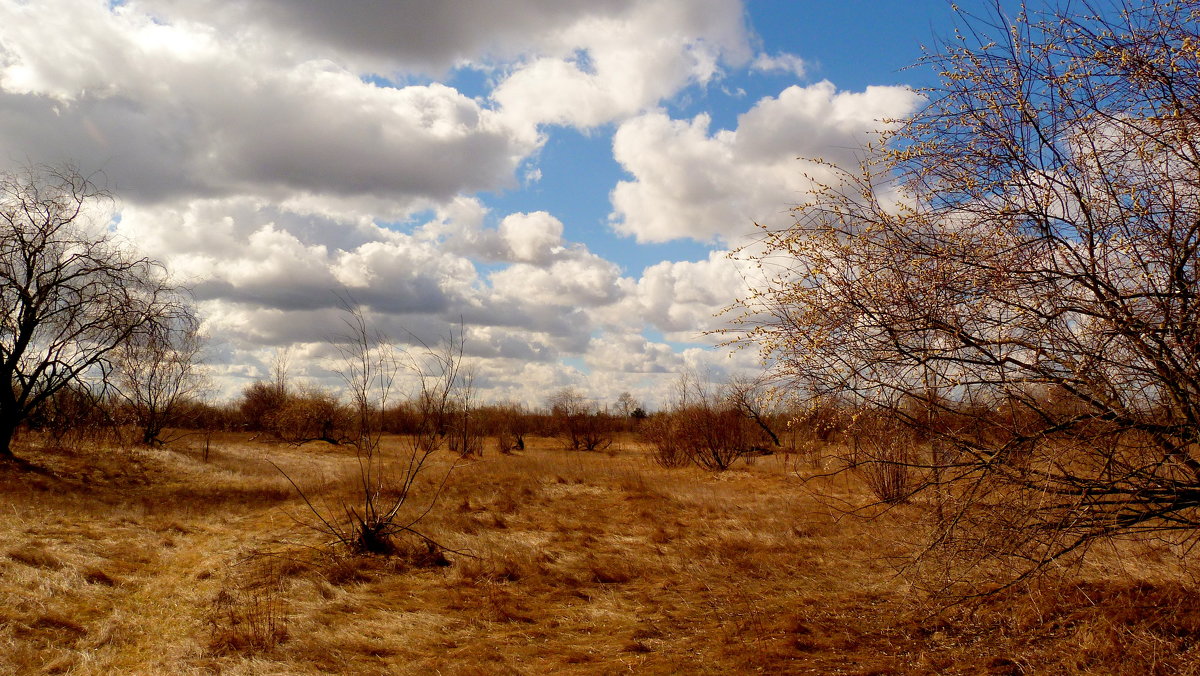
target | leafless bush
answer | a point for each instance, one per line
(76, 416)
(510, 424)
(385, 490)
(667, 440)
(465, 436)
(158, 373)
(710, 426)
(465, 429)
(718, 435)
(579, 422)
(712, 437)
(259, 405)
(883, 453)
(313, 415)
(506, 442)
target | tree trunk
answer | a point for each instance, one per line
(7, 431)
(150, 434)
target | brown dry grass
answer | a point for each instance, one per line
(154, 562)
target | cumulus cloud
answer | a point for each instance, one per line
(263, 274)
(256, 153)
(631, 353)
(535, 237)
(532, 238)
(556, 61)
(253, 254)
(690, 183)
(605, 68)
(173, 109)
(683, 299)
(585, 280)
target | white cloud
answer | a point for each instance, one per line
(690, 183)
(584, 280)
(535, 238)
(172, 109)
(683, 299)
(631, 353)
(788, 63)
(532, 238)
(266, 275)
(256, 159)
(244, 252)
(578, 62)
(605, 68)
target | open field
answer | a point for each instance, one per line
(158, 561)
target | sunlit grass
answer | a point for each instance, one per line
(155, 561)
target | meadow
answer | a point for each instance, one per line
(202, 558)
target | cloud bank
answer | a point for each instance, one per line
(279, 157)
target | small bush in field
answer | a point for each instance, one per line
(382, 511)
(578, 422)
(465, 437)
(882, 454)
(712, 437)
(313, 415)
(663, 434)
(506, 441)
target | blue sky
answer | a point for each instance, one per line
(566, 176)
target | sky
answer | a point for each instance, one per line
(563, 178)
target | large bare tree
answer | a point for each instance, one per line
(1015, 275)
(69, 294)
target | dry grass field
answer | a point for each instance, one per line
(163, 562)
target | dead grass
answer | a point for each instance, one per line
(152, 562)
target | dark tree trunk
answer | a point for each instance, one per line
(7, 431)
(150, 434)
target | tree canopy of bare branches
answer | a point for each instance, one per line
(69, 294)
(159, 373)
(1014, 272)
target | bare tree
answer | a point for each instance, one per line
(630, 410)
(158, 373)
(281, 364)
(756, 401)
(626, 404)
(567, 407)
(69, 294)
(1017, 277)
(443, 386)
